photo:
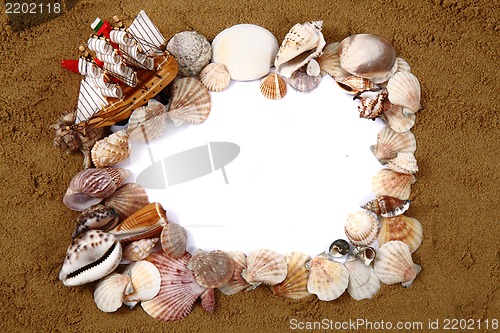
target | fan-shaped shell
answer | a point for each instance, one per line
(302, 82)
(404, 90)
(127, 200)
(109, 292)
(404, 163)
(145, 279)
(361, 228)
(215, 77)
(390, 143)
(147, 123)
(208, 300)
(190, 102)
(295, 284)
(111, 150)
(363, 282)
(273, 86)
(394, 264)
(387, 206)
(395, 118)
(139, 249)
(211, 269)
(394, 184)
(96, 217)
(173, 240)
(329, 62)
(401, 228)
(327, 279)
(403, 65)
(237, 282)
(265, 266)
(191, 50)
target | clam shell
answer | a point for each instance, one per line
(145, 223)
(401, 228)
(396, 119)
(91, 256)
(403, 66)
(361, 228)
(368, 56)
(191, 50)
(390, 143)
(327, 279)
(404, 90)
(394, 184)
(145, 279)
(302, 82)
(96, 217)
(190, 102)
(264, 266)
(354, 84)
(109, 292)
(339, 248)
(237, 282)
(404, 163)
(127, 200)
(273, 86)
(363, 282)
(394, 264)
(246, 50)
(301, 44)
(387, 206)
(372, 108)
(111, 150)
(139, 249)
(147, 123)
(211, 269)
(215, 77)
(295, 284)
(173, 240)
(329, 62)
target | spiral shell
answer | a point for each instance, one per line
(361, 228)
(111, 150)
(295, 284)
(139, 249)
(390, 143)
(215, 77)
(265, 266)
(327, 279)
(355, 85)
(191, 50)
(373, 108)
(190, 102)
(211, 269)
(404, 90)
(387, 206)
(173, 240)
(96, 217)
(394, 264)
(394, 184)
(273, 86)
(401, 228)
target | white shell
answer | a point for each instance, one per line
(147, 123)
(191, 50)
(329, 62)
(109, 292)
(190, 102)
(404, 163)
(312, 68)
(394, 184)
(145, 278)
(361, 228)
(363, 282)
(327, 279)
(394, 264)
(295, 284)
(390, 143)
(215, 77)
(265, 266)
(246, 50)
(111, 150)
(397, 119)
(139, 249)
(404, 90)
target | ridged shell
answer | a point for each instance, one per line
(327, 279)
(403, 66)
(215, 77)
(295, 284)
(96, 217)
(127, 200)
(394, 184)
(302, 82)
(147, 123)
(139, 249)
(173, 240)
(404, 90)
(339, 248)
(111, 150)
(208, 300)
(354, 84)
(145, 223)
(368, 56)
(273, 86)
(178, 289)
(387, 206)
(237, 282)
(404, 163)
(373, 108)
(329, 62)
(109, 292)
(390, 143)
(145, 279)
(265, 266)
(190, 102)
(361, 228)
(211, 269)
(363, 282)
(394, 264)
(401, 228)
(191, 50)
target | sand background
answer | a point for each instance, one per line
(452, 47)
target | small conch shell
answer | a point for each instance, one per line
(215, 77)
(396, 119)
(355, 85)
(190, 102)
(364, 253)
(404, 163)
(264, 266)
(109, 292)
(147, 123)
(394, 184)
(339, 248)
(387, 206)
(96, 217)
(390, 143)
(361, 228)
(302, 82)
(373, 108)
(174, 240)
(145, 279)
(273, 86)
(127, 200)
(327, 279)
(237, 282)
(111, 150)
(295, 284)
(139, 249)
(191, 50)
(211, 269)
(329, 62)
(363, 282)
(404, 90)
(401, 228)
(395, 265)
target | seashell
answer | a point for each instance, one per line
(394, 264)
(208, 300)
(273, 86)
(355, 85)
(387, 206)
(312, 68)
(127, 200)
(302, 82)
(178, 289)
(109, 292)
(91, 186)
(394, 184)
(301, 44)
(191, 50)
(403, 163)
(396, 119)
(364, 253)
(372, 108)
(368, 56)
(91, 256)
(404, 90)
(147, 123)
(295, 284)
(145, 223)
(361, 228)
(401, 228)
(390, 143)
(403, 66)
(96, 217)
(139, 249)
(237, 282)
(173, 240)
(327, 279)
(190, 102)
(215, 77)
(339, 248)
(111, 150)
(264, 266)
(211, 269)
(246, 50)
(145, 279)
(363, 282)
(329, 62)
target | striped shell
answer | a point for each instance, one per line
(302, 82)
(361, 228)
(111, 150)
(394, 264)
(394, 184)
(295, 284)
(403, 65)
(273, 86)
(145, 279)
(109, 292)
(404, 90)
(190, 102)
(215, 77)
(329, 62)
(127, 200)
(173, 240)
(237, 282)
(354, 84)
(264, 266)
(327, 279)
(401, 228)
(211, 269)
(147, 123)
(387, 206)
(390, 143)
(139, 249)
(363, 282)
(396, 120)
(96, 217)
(403, 163)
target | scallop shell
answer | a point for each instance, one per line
(302, 82)
(329, 62)
(111, 150)
(246, 50)
(403, 163)
(295, 284)
(404, 90)
(364, 253)
(403, 66)
(178, 289)
(145, 279)
(387, 206)
(145, 223)
(327, 279)
(361, 228)
(390, 143)
(368, 56)
(173, 240)
(355, 85)
(394, 184)
(237, 282)
(273, 86)
(372, 108)
(395, 265)
(96, 217)
(191, 50)
(264, 266)
(127, 200)
(139, 249)
(301, 44)
(147, 123)
(208, 300)
(215, 77)
(190, 102)
(339, 248)
(396, 119)
(363, 282)
(211, 269)
(109, 292)
(401, 228)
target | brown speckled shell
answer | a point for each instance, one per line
(211, 269)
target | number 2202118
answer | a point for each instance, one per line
(32, 8)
